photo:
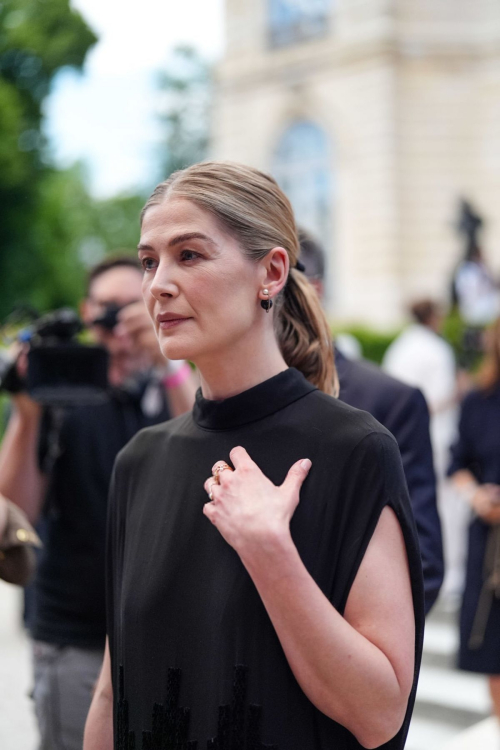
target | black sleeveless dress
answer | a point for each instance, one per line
(196, 663)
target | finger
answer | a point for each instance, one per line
(220, 466)
(218, 470)
(240, 457)
(224, 475)
(209, 511)
(209, 485)
(296, 475)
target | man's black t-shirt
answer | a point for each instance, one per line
(69, 586)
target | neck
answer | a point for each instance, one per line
(245, 364)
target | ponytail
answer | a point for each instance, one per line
(303, 333)
(254, 210)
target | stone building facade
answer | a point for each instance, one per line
(376, 116)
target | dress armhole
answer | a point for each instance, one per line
(392, 492)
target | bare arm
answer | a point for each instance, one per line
(356, 669)
(20, 478)
(99, 726)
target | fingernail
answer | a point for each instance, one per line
(306, 464)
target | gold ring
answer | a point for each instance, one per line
(218, 468)
(210, 494)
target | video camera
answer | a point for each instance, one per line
(61, 370)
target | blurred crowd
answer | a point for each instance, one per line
(56, 463)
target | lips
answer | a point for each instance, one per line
(170, 320)
(169, 316)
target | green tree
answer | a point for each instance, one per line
(52, 228)
(37, 39)
(74, 230)
(186, 88)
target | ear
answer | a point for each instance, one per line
(274, 270)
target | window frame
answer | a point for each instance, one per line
(305, 26)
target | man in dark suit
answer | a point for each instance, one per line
(403, 411)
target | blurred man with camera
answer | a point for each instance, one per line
(57, 468)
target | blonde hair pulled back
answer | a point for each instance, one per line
(255, 211)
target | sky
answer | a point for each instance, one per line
(107, 116)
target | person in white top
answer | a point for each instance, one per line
(477, 291)
(420, 357)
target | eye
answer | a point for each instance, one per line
(148, 264)
(188, 255)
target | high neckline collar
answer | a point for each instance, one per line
(256, 403)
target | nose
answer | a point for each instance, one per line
(164, 284)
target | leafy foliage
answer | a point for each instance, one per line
(52, 228)
(72, 231)
(186, 89)
(37, 39)
(374, 344)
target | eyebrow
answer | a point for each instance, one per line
(180, 238)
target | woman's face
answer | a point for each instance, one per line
(201, 291)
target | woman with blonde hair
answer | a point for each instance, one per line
(264, 579)
(475, 469)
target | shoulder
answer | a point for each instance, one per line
(476, 411)
(438, 347)
(377, 449)
(366, 453)
(387, 382)
(479, 403)
(376, 383)
(405, 340)
(344, 423)
(370, 468)
(473, 399)
(148, 441)
(407, 351)
(415, 342)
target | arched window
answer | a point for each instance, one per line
(302, 167)
(294, 20)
